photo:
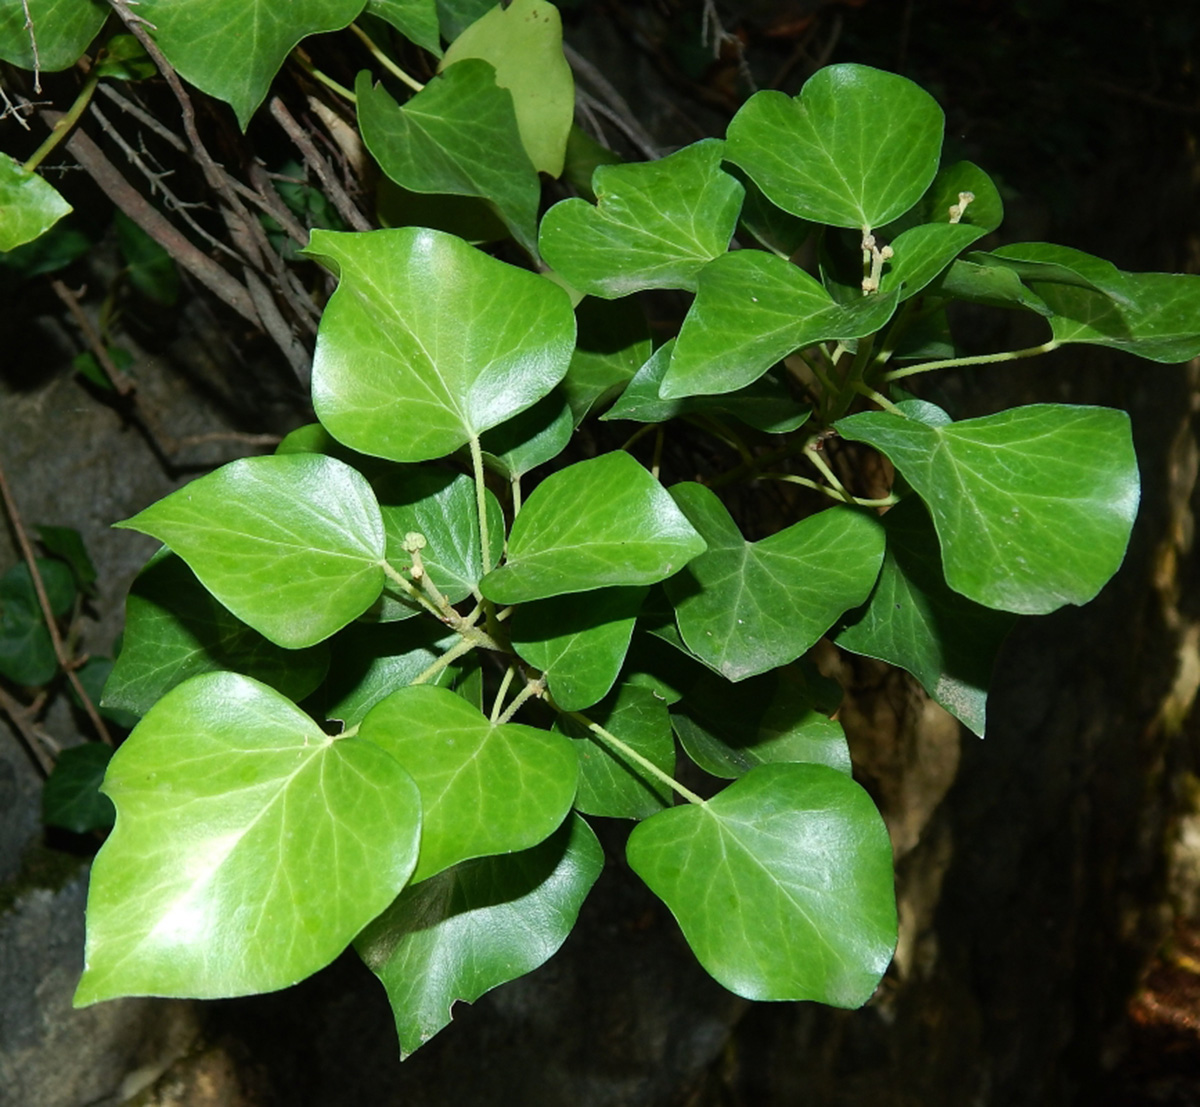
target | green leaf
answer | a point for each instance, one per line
(539, 434)
(428, 342)
(485, 789)
(610, 785)
(459, 136)
(176, 629)
(775, 229)
(748, 607)
(476, 926)
(250, 848)
(578, 641)
(456, 16)
(232, 49)
(124, 58)
(291, 544)
(63, 30)
(595, 523)
(766, 404)
(67, 543)
(984, 211)
(440, 505)
(55, 249)
(915, 621)
(29, 206)
(370, 662)
(1033, 506)
(523, 41)
(71, 798)
(416, 20)
(992, 285)
(922, 252)
(93, 674)
(26, 651)
(149, 267)
(727, 729)
(614, 342)
(655, 224)
(57, 579)
(782, 884)
(753, 309)
(1043, 261)
(856, 148)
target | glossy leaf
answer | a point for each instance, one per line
(416, 20)
(291, 544)
(774, 228)
(614, 342)
(459, 136)
(523, 41)
(610, 784)
(748, 607)
(428, 341)
(921, 253)
(250, 848)
(539, 434)
(26, 650)
(985, 210)
(93, 674)
(856, 148)
(63, 30)
(655, 224)
(782, 884)
(456, 16)
(176, 629)
(232, 49)
(485, 789)
(71, 797)
(766, 404)
(727, 729)
(753, 309)
(995, 286)
(914, 620)
(476, 926)
(578, 641)
(596, 523)
(1033, 506)
(29, 205)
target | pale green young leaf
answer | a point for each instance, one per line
(459, 136)
(782, 884)
(250, 847)
(856, 148)
(476, 926)
(291, 544)
(596, 523)
(579, 641)
(655, 224)
(232, 49)
(62, 29)
(1033, 506)
(914, 620)
(428, 342)
(416, 20)
(523, 41)
(748, 607)
(485, 789)
(753, 309)
(29, 205)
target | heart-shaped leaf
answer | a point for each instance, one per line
(523, 41)
(250, 848)
(175, 629)
(62, 30)
(915, 621)
(291, 544)
(922, 252)
(595, 523)
(416, 20)
(485, 789)
(782, 884)
(1033, 506)
(747, 607)
(29, 206)
(71, 798)
(232, 49)
(578, 641)
(428, 342)
(856, 148)
(458, 136)
(539, 434)
(751, 310)
(611, 785)
(476, 926)
(984, 208)
(655, 224)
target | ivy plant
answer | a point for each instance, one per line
(388, 675)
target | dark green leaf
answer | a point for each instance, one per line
(71, 798)
(456, 15)
(921, 253)
(150, 268)
(93, 675)
(416, 20)
(67, 543)
(539, 434)
(614, 342)
(993, 285)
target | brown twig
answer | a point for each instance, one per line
(615, 109)
(33, 737)
(122, 382)
(143, 117)
(64, 662)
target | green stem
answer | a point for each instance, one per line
(306, 63)
(410, 590)
(747, 468)
(793, 478)
(384, 60)
(498, 703)
(452, 654)
(531, 689)
(813, 455)
(864, 389)
(633, 755)
(858, 366)
(62, 128)
(515, 488)
(979, 359)
(481, 504)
